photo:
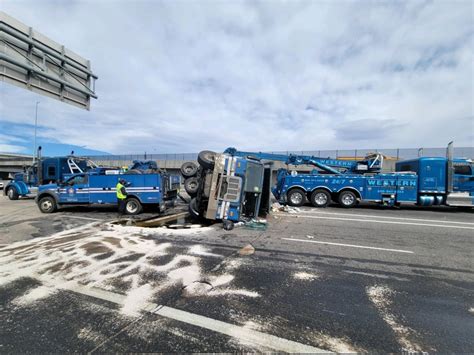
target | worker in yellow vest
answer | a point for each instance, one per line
(121, 195)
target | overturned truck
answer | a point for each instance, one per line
(228, 188)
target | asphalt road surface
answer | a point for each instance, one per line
(365, 279)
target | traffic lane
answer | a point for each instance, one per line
(449, 245)
(71, 322)
(257, 291)
(404, 211)
(22, 220)
(324, 306)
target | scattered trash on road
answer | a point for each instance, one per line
(247, 250)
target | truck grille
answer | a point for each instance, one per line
(233, 188)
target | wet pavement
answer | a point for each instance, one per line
(365, 279)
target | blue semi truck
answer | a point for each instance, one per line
(225, 187)
(45, 170)
(145, 188)
(422, 181)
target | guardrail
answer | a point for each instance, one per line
(395, 153)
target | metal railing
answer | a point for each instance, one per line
(394, 153)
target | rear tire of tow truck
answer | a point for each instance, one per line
(347, 199)
(296, 197)
(12, 193)
(133, 206)
(47, 204)
(191, 186)
(320, 198)
(206, 159)
(189, 169)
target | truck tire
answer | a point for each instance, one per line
(206, 159)
(193, 208)
(347, 199)
(191, 186)
(320, 198)
(296, 197)
(189, 169)
(12, 193)
(47, 204)
(133, 206)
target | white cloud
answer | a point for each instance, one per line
(177, 76)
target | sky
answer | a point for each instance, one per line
(183, 76)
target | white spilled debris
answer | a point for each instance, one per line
(381, 297)
(200, 250)
(118, 259)
(307, 276)
(290, 209)
(34, 295)
(135, 300)
(277, 207)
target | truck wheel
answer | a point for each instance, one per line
(347, 199)
(206, 159)
(12, 193)
(193, 207)
(320, 198)
(133, 206)
(191, 186)
(296, 197)
(47, 204)
(189, 169)
(227, 225)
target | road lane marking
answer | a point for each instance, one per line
(80, 217)
(374, 221)
(387, 217)
(348, 245)
(248, 335)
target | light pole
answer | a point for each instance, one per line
(36, 124)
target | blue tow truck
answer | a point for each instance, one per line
(225, 187)
(423, 181)
(45, 170)
(145, 186)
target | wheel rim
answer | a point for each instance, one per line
(188, 169)
(347, 199)
(192, 185)
(320, 198)
(10, 193)
(296, 198)
(132, 207)
(46, 205)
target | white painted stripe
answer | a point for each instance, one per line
(374, 221)
(314, 211)
(348, 245)
(79, 217)
(251, 336)
(244, 334)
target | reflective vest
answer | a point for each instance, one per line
(120, 195)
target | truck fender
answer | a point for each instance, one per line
(20, 187)
(47, 193)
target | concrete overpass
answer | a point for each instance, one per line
(11, 163)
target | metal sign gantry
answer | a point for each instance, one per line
(32, 61)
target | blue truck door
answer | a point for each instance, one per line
(463, 178)
(76, 190)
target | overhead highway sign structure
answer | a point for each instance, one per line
(32, 61)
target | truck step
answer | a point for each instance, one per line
(460, 199)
